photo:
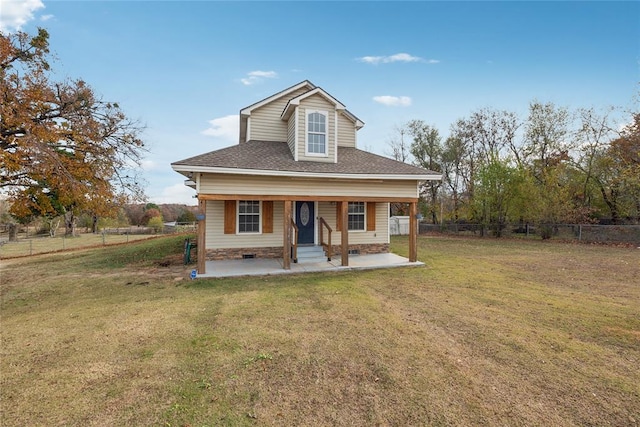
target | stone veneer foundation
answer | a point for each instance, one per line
(276, 252)
(364, 249)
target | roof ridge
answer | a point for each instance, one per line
(278, 94)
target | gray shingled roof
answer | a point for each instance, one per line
(276, 156)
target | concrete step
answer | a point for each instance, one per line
(311, 255)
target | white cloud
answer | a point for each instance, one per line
(45, 18)
(393, 101)
(148, 165)
(177, 193)
(257, 76)
(16, 13)
(227, 127)
(398, 57)
(433, 61)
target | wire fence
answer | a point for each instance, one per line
(26, 245)
(588, 233)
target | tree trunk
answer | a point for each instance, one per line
(69, 224)
(612, 203)
(53, 226)
(94, 224)
(13, 232)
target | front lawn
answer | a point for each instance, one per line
(490, 332)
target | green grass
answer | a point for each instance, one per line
(41, 245)
(491, 332)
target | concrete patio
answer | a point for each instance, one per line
(264, 267)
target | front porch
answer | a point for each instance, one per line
(285, 225)
(270, 266)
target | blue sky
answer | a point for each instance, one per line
(186, 68)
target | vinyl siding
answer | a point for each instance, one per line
(266, 124)
(278, 186)
(291, 134)
(216, 239)
(316, 102)
(379, 235)
(346, 132)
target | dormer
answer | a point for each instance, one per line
(311, 121)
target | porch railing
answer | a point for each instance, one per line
(326, 245)
(294, 241)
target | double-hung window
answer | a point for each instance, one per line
(248, 216)
(317, 133)
(357, 214)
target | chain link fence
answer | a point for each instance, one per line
(26, 244)
(588, 233)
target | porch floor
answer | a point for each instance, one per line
(263, 267)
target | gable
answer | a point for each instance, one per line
(280, 99)
(314, 93)
(264, 122)
(268, 119)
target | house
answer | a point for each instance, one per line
(297, 179)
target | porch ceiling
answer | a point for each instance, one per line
(309, 198)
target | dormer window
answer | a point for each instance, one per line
(317, 133)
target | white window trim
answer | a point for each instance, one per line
(364, 230)
(296, 136)
(326, 134)
(244, 233)
(335, 137)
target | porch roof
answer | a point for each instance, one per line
(276, 156)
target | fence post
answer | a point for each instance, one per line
(580, 232)
(103, 243)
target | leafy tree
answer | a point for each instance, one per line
(186, 216)
(156, 223)
(172, 211)
(481, 139)
(400, 152)
(134, 212)
(499, 194)
(592, 138)
(426, 150)
(616, 173)
(546, 137)
(627, 149)
(487, 132)
(60, 139)
(455, 180)
(149, 214)
(546, 154)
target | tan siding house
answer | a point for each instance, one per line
(296, 180)
(346, 132)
